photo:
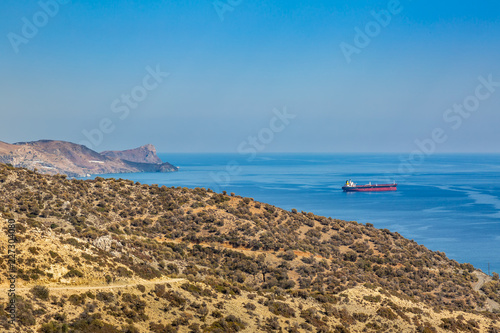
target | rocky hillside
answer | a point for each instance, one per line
(118, 256)
(6, 148)
(60, 157)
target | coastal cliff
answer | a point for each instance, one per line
(74, 160)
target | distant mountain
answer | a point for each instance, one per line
(144, 154)
(53, 157)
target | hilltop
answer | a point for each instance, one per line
(61, 157)
(117, 256)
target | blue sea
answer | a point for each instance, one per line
(449, 203)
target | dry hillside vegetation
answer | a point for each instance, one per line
(118, 256)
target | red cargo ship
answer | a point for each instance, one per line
(352, 187)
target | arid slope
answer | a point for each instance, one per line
(140, 258)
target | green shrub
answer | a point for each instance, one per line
(281, 309)
(77, 299)
(40, 292)
(24, 311)
(386, 313)
(229, 324)
(33, 250)
(73, 273)
(373, 299)
(54, 327)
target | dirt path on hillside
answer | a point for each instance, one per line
(98, 287)
(481, 280)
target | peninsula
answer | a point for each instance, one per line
(61, 157)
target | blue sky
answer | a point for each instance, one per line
(228, 70)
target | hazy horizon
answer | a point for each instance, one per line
(229, 76)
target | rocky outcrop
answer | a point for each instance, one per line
(144, 154)
(60, 157)
(108, 244)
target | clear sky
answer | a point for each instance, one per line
(359, 76)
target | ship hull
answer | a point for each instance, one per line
(370, 188)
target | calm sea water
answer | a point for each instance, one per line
(449, 203)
